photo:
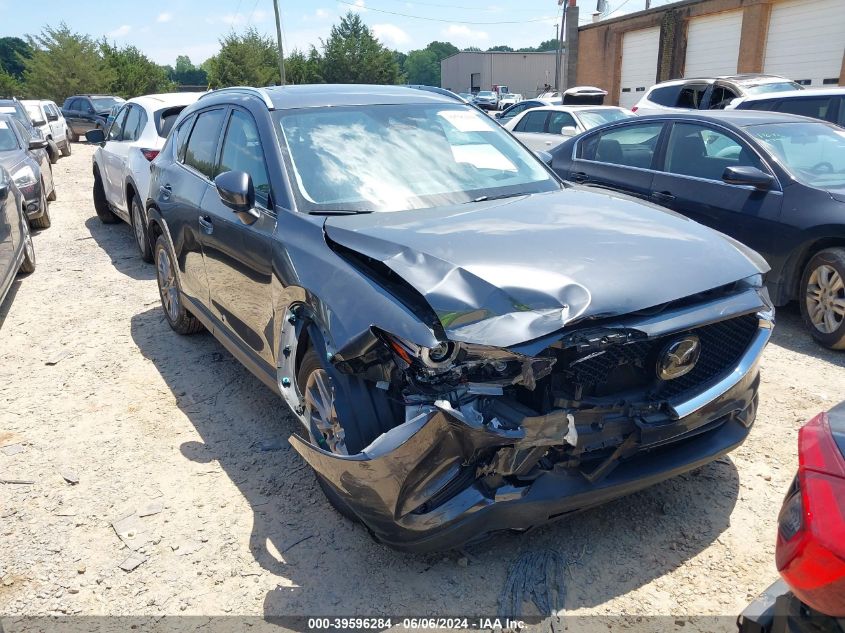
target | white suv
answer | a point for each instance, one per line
(122, 162)
(47, 117)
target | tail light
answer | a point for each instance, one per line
(634, 108)
(810, 551)
(149, 154)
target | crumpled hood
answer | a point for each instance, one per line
(505, 272)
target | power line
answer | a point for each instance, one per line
(420, 17)
(455, 6)
(249, 19)
(616, 9)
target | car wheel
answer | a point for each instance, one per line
(73, 137)
(101, 205)
(43, 221)
(28, 264)
(53, 151)
(66, 147)
(177, 315)
(822, 297)
(139, 227)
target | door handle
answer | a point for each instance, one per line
(165, 191)
(662, 196)
(206, 224)
(579, 176)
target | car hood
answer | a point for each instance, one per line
(837, 194)
(505, 272)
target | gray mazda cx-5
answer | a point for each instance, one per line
(469, 345)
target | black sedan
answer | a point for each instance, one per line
(469, 345)
(775, 182)
(16, 251)
(25, 159)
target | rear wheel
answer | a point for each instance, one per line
(66, 147)
(139, 227)
(53, 151)
(177, 315)
(43, 221)
(101, 204)
(73, 137)
(28, 265)
(822, 297)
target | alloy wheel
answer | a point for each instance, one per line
(825, 297)
(28, 246)
(321, 413)
(167, 285)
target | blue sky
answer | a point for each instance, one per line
(164, 30)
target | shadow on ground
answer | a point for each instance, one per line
(791, 333)
(6, 304)
(328, 565)
(118, 241)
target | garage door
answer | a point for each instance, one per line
(713, 44)
(806, 40)
(639, 64)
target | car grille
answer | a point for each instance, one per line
(633, 365)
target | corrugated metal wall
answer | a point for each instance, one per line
(524, 73)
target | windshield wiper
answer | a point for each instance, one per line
(499, 197)
(337, 212)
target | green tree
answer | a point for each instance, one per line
(186, 74)
(352, 54)
(64, 63)
(246, 59)
(422, 67)
(472, 49)
(9, 85)
(501, 48)
(13, 52)
(400, 59)
(548, 45)
(133, 72)
(442, 50)
(303, 69)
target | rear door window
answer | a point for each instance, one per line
(532, 122)
(721, 97)
(632, 145)
(134, 123)
(665, 96)
(201, 150)
(814, 107)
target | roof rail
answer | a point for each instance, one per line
(257, 92)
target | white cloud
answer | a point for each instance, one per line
(240, 19)
(359, 6)
(321, 13)
(164, 17)
(391, 34)
(465, 33)
(121, 31)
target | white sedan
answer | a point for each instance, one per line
(508, 99)
(547, 127)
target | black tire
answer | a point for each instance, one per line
(53, 151)
(179, 319)
(833, 258)
(66, 147)
(101, 205)
(72, 136)
(28, 264)
(43, 221)
(142, 239)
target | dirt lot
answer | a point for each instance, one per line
(93, 381)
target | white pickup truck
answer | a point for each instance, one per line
(47, 117)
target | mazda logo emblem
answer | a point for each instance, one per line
(678, 357)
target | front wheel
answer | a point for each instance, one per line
(178, 317)
(66, 146)
(28, 264)
(101, 203)
(53, 151)
(43, 221)
(139, 227)
(822, 297)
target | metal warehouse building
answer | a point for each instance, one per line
(522, 73)
(803, 40)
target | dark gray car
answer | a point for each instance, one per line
(27, 162)
(469, 345)
(16, 250)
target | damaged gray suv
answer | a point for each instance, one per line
(469, 344)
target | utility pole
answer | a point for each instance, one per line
(557, 56)
(648, 4)
(279, 40)
(559, 59)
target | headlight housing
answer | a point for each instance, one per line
(25, 177)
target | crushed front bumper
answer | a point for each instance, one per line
(418, 487)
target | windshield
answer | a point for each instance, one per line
(398, 157)
(813, 152)
(101, 104)
(593, 118)
(8, 140)
(486, 93)
(773, 87)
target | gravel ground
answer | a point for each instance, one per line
(95, 386)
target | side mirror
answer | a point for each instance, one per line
(498, 115)
(544, 156)
(569, 130)
(744, 175)
(52, 117)
(237, 192)
(38, 122)
(95, 136)
(37, 143)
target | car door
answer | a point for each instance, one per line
(57, 127)
(9, 215)
(237, 247)
(690, 182)
(116, 151)
(114, 136)
(531, 129)
(87, 115)
(621, 158)
(182, 186)
(71, 114)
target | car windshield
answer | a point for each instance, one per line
(778, 86)
(399, 157)
(101, 104)
(593, 118)
(486, 93)
(8, 140)
(813, 152)
(509, 96)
